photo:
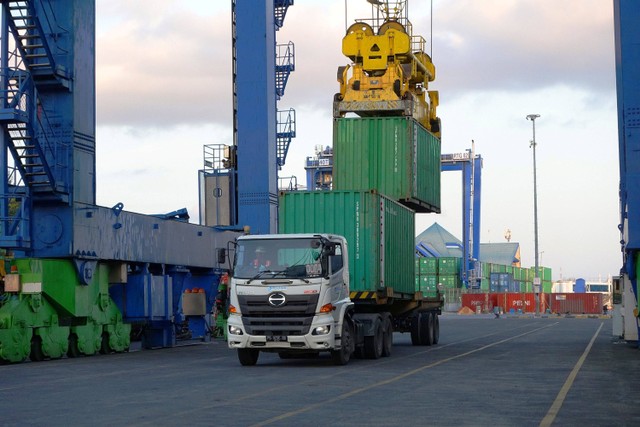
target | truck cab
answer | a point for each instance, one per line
(289, 294)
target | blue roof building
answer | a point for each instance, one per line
(437, 242)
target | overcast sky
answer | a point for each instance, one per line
(164, 90)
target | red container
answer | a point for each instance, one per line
(582, 303)
(507, 301)
(473, 301)
(519, 302)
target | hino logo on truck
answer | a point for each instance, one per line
(277, 299)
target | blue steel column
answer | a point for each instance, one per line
(4, 159)
(466, 221)
(627, 40)
(256, 115)
(477, 193)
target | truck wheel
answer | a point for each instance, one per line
(248, 356)
(426, 329)
(373, 345)
(416, 323)
(343, 355)
(436, 329)
(387, 340)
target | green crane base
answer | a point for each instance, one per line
(50, 313)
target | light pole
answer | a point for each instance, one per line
(536, 279)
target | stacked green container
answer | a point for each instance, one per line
(545, 275)
(378, 161)
(449, 272)
(450, 282)
(379, 232)
(484, 274)
(448, 266)
(394, 155)
(427, 276)
(428, 266)
(498, 268)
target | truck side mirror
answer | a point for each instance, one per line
(222, 255)
(330, 249)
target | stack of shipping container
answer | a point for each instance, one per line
(385, 170)
(433, 271)
(506, 278)
(491, 277)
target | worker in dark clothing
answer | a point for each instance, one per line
(261, 261)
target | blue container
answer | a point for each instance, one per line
(514, 286)
(580, 286)
(502, 282)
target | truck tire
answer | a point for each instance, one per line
(248, 356)
(373, 344)
(426, 328)
(436, 329)
(343, 355)
(387, 340)
(416, 322)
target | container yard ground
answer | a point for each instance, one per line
(485, 372)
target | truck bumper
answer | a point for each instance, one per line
(292, 342)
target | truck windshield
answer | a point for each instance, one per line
(285, 258)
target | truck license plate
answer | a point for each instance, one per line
(276, 338)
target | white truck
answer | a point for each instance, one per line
(289, 294)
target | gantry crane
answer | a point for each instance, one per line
(78, 277)
(470, 164)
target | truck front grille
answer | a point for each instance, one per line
(293, 318)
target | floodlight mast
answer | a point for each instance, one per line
(536, 280)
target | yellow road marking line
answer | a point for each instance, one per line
(557, 404)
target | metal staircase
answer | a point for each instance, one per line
(286, 130)
(25, 126)
(30, 35)
(280, 11)
(285, 65)
(39, 158)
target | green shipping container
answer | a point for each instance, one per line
(543, 272)
(448, 266)
(484, 285)
(379, 233)
(394, 155)
(428, 283)
(428, 266)
(519, 274)
(497, 268)
(430, 294)
(485, 270)
(450, 282)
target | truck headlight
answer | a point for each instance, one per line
(234, 330)
(321, 330)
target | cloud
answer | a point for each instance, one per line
(523, 45)
(173, 66)
(164, 68)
